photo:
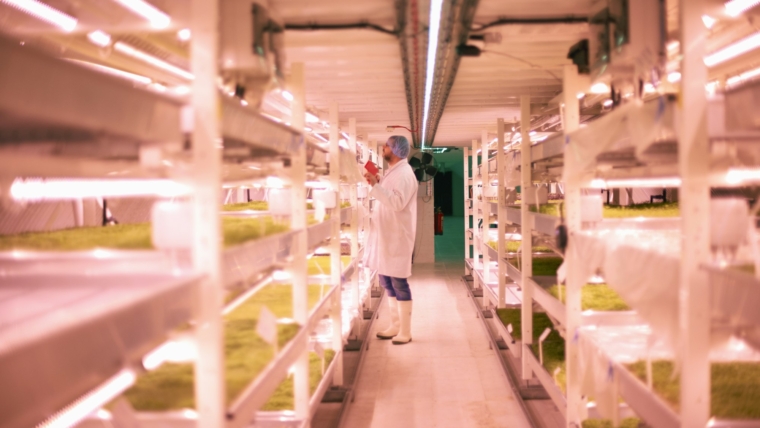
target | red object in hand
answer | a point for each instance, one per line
(371, 167)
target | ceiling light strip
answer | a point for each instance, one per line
(436, 7)
(733, 50)
(152, 60)
(45, 13)
(735, 8)
(157, 18)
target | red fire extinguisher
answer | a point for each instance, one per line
(438, 222)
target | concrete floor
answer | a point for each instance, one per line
(447, 376)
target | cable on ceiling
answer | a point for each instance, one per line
(313, 26)
(571, 19)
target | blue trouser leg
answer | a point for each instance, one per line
(386, 282)
(401, 288)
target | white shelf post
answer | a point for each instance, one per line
(526, 230)
(486, 213)
(298, 223)
(207, 158)
(694, 201)
(466, 157)
(335, 268)
(571, 120)
(475, 213)
(502, 212)
(354, 214)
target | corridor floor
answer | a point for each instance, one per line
(446, 377)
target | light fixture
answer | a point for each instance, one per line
(184, 34)
(739, 176)
(600, 88)
(611, 183)
(735, 8)
(344, 135)
(287, 95)
(181, 90)
(173, 351)
(436, 7)
(93, 401)
(734, 80)
(99, 38)
(607, 103)
(733, 50)
(674, 76)
(310, 118)
(321, 137)
(709, 21)
(45, 13)
(152, 60)
(580, 95)
(114, 72)
(157, 18)
(34, 189)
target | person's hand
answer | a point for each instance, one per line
(371, 179)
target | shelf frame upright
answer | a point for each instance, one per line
(526, 231)
(475, 209)
(576, 410)
(334, 247)
(485, 208)
(207, 158)
(299, 265)
(467, 211)
(694, 201)
(501, 212)
(354, 214)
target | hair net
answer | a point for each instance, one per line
(399, 146)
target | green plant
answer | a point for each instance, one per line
(599, 297)
(171, 386)
(734, 387)
(283, 397)
(542, 266)
(666, 209)
(606, 423)
(553, 346)
(320, 265)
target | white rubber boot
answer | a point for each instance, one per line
(405, 317)
(392, 330)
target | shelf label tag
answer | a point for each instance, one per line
(267, 326)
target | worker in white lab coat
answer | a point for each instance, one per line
(392, 230)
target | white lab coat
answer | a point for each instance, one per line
(393, 224)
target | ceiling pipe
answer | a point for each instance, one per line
(456, 21)
(351, 26)
(571, 19)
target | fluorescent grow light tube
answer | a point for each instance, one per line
(45, 13)
(31, 189)
(99, 38)
(436, 7)
(733, 50)
(115, 72)
(157, 18)
(735, 8)
(72, 415)
(152, 60)
(635, 182)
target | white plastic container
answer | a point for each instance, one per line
(729, 222)
(536, 195)
(172, 225)
(363, 192)
(280, 202)
(327, 197)
(591, 208)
